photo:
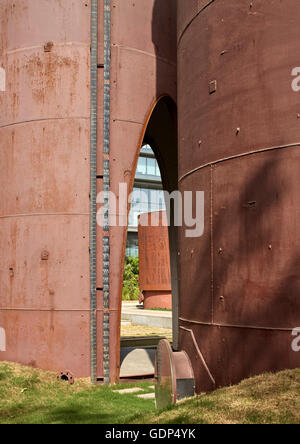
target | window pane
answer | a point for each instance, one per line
(132, 245)
(144, 206)
(151, 166)
(146, 149)
(136, 196)
(154, 200)
(142, 165)
(157, 170)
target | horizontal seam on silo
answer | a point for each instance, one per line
(250, 327)
(84, 310)
(9, 216)
(24, 122)
(192, 20)
(238, 156)
(57, 44)
(156, 57)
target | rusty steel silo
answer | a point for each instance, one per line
(44, 184)
(154, 260)
(82, 85)
(239, 143)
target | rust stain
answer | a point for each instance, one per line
(240, 294)
(45, 77)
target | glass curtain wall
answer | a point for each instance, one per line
(147, 196)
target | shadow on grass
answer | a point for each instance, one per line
(77, 415)
(95, 406)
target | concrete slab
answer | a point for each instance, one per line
(128, 391)
(147, 396)
(137, 362)
(150, 318)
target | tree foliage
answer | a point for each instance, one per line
(131, 289)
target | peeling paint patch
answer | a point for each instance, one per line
(2, 340)
(2, 79)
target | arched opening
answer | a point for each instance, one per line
(156, 173)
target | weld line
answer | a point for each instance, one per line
(237, 156)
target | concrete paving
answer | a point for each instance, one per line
(137, 362)
(135, 313)
(147, 396)
(137, 392)
(128, 391)
(136, 322)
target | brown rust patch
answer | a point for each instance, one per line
(48, 46)
(46, 73)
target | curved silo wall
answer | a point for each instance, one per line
(143, 70)
(45, 300)
(239, 142)
(44, 183)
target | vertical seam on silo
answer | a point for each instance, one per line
(212, 242)
(106, 185)
(93, 189)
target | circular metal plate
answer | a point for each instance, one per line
(164, 374)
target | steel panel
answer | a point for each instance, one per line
(143, 68)
(239, 143)
(40, 339)
(253, 80)
(154, 255)
(44, 165)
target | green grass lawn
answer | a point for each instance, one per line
(265, 399)
(33, 396)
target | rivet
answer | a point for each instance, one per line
(212, 86)
(48, 46)
(45, 255)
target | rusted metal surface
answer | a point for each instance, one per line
(239, 142)
(174, 376)
(143, 69)
(45, 167)
(154, 260)
(66, 376)
(44, 175)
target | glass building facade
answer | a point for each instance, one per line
(147, 196)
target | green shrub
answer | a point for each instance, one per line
(131, 289)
